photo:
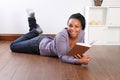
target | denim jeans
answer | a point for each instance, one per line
(28, 43)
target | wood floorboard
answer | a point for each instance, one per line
(16, 66)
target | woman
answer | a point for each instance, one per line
(57, 46)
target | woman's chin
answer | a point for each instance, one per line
(73, 36)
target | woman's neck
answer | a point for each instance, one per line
(72, 41)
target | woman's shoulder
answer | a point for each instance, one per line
(63, 32)
(82, 32)
(81, 36)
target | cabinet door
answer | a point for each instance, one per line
(102, 36)
(97, 34)
(113, 17)
(113, 35)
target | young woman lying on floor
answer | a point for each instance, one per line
(59, 46)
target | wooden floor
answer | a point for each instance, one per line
(105, 65)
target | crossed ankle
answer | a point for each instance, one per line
(39, 30)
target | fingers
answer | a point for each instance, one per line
(78, 56)
(87, 57)
(85, 60)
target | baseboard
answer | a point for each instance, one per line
(11, 37)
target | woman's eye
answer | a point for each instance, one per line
(77, 26)
(70, 25)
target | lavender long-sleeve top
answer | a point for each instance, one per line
(59, 46)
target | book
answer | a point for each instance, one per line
(79, 48)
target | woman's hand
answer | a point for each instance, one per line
(78, 56)
(83, 59)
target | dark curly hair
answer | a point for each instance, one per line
(80, 18)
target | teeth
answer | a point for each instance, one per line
(73, 33)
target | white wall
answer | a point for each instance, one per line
(52, 15)
(111, 3)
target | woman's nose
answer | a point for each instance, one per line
(73, 28)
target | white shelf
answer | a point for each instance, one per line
(97, 16)
(97, 26)
(102, 24)
(103, 16)
(113, 26)
(106, 43)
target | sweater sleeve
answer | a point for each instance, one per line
(69, 59)
(62, 49)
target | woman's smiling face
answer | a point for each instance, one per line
(74, 27)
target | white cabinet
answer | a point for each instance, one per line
(103, 25)
(113, 17)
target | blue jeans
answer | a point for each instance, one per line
(28, 43)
